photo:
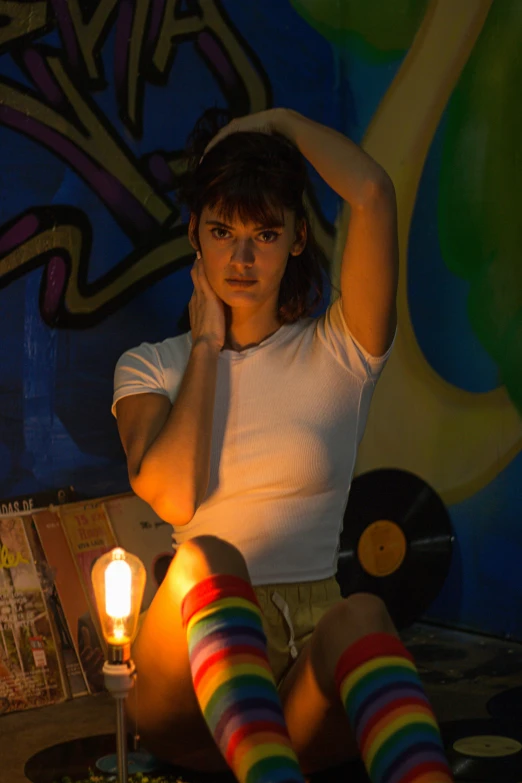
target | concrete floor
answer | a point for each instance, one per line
(461, 672)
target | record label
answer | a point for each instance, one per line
(487, 746)
(484, 750)
(382, 548)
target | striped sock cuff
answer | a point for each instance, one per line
(383, 697)
(396, 709)
(214, 588)
(423, 772)
(375, 645)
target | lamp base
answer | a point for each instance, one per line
(136, 762)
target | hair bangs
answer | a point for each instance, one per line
(247, 199)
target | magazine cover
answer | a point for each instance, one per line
(90, 535)
(141, 531)
(73, 674)
(26, 504)
(72, 596)
(30, 673)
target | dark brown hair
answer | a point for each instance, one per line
(255, 176)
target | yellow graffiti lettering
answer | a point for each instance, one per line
(88, 34)
(171, 29)
(95, 141)
(134, 59)
(69, 238)
(238, 57)
(10, 559)
(20, 19)
(211, 19)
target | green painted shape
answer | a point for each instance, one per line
(376, 30)
(480, 196)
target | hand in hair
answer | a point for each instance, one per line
(262, 121)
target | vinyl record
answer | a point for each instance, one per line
(437, 653)
(506, 705)
(484, 750)
(396, 542)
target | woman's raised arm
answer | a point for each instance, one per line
(370, 263)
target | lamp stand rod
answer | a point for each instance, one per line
(119, 679)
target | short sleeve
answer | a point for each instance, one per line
(333, 331)
(138, 371)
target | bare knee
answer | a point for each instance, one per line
(344, 624)
(204, 556)
(366, 613)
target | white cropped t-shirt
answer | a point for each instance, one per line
(289, 415)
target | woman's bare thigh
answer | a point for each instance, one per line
(318, 727)
(164, 705)
(317, 722)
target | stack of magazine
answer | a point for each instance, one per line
(51, 647)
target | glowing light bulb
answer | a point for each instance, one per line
(118, 580)
(118, 589)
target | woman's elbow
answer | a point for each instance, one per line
(170, 509)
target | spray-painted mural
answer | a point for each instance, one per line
(96, 101)
(433, 90)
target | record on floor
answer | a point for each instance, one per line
(437, 653)
(506, 705)
(396, 542)
(438, 676)
(502, 663)
(484, 750)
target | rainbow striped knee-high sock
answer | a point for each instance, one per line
(394, 725)
(233, 681)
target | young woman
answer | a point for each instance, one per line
(242, 433)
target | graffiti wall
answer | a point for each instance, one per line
(97, 98)
(96, 102)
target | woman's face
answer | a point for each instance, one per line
(256, 254)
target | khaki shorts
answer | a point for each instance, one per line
(290, 614)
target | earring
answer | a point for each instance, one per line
(198, 255)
